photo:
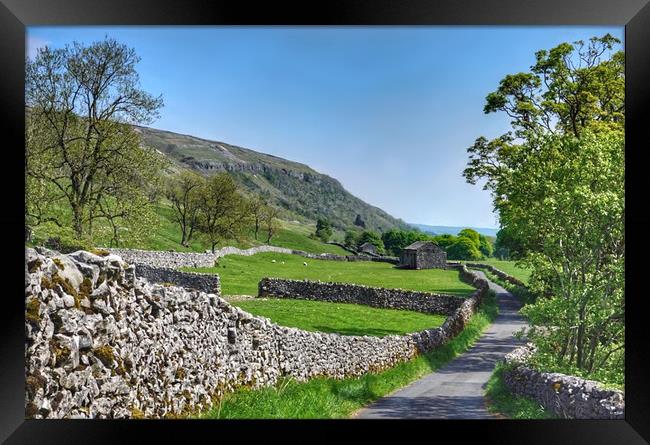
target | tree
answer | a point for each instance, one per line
(183, 190)
(257, 207)
(445, 240)
(80, 102)
(485, 246)
(350, 239)
(269, 221)
(472, 235)
(323, 229)
(396, 240)
(507, 245)
(222, 212)
(576, 246)
(558, 186)
(371, 237)
(570, 87)
(463, 249)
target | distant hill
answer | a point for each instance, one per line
(302, 191)
(452, 230)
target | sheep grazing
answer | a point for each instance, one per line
(273, 261)
(304, 263)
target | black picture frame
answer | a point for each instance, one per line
(15, 15)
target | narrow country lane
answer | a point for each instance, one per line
(456, 390)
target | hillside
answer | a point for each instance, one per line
(295, 187)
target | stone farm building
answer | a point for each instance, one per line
(423, 255)
(368, 248)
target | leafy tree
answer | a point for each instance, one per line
(485, 246)
(81, 100)
(223, 213)
(463, 249)
(507, 245)
(270, 223)
(471, 234)
(373, 238)
(570, 87)
(350, 239)
(183, 190)
(323, 229)
(559, 188)
(396, 240)
(256, 207)
(444, 240)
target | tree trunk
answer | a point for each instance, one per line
(77, 223)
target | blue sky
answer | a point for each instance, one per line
(388, 111)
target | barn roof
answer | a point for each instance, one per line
(367, 244)
(421, 244)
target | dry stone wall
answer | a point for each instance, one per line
(567, 396)
(102, 342)
(208, 283)
(175, 260)
(499, 273)
(357, 294)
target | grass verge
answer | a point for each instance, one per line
(502, 401)
(332, 398)
(524, 295)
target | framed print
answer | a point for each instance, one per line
(354, 215)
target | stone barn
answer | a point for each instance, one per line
(368, 248)
(423, 255)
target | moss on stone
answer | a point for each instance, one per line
(59, 263)
(33, 384)
(120, 370)
(32, 311)
(100, 252)
(85, 288)
(61, 352)
(136, 413)
(34, 265)
(180, 374)
(46, 283)
(105, 355)
(68, 288)
(30, 410)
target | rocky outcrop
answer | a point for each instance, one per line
(102, 342)
(567, 396)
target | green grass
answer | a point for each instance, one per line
(241, 274)
(341, 318)
(167, 236)
(296, 236)
(510, 268)
(332, 398)
(502, 401)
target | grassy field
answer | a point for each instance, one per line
(241, 274)
(502, 401)
(331, 398)
(346, 319)
(296, 236)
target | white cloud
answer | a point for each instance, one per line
(33, 44)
